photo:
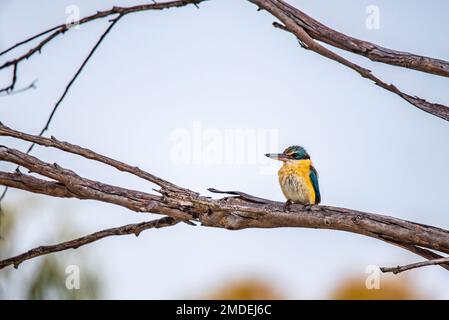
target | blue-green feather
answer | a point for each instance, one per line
(314, 178)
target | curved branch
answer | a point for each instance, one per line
(291, 24)
(236, 212)
(80, 187)
(135, 229)
(372, 51)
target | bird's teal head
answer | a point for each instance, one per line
(291, 153)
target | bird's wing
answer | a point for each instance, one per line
(314, 178)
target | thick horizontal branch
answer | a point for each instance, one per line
(135, 229)
(238, 211)
(80, 187)
(22, 181)
(290, 23)
(421, 264)
(305, 28)
(372, 51)
(31, 184)
(230, 212)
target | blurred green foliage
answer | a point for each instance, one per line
(47, 280)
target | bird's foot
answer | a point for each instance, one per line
(308, 207)
(287, 205)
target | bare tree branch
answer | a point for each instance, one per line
(239, 211)
(421, 264)
(56, 189)
(66, 90)
(61, 29)
(372, 51)
(32, 85)
(120, 11)
(135, 229)
(22, 181)
(291, 23)
(306, 29)
(88, 154)
(425, 253)
(83, 188)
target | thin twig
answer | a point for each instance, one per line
(78, 72)
(421, 264)
(66, 90)
(29, 39)
(231, 212)
(425, 253)
(135, 229)
(10, 88)
(372, 51)
(32, 85)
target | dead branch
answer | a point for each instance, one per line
(291, 23)
(88, 154)
(77, 73)
(61, 29)
(372, 51)
(135, 229)
(304, 27)
(235, 212)
(421, 264)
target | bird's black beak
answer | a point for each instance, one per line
(277, 156)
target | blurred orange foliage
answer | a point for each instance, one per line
(393, 288)
(245, 289)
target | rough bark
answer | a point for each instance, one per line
(238, 211)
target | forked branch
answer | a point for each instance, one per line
(295, 22)
(238, 211)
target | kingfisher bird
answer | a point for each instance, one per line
(297, 177)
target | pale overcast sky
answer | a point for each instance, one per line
(198, 78)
